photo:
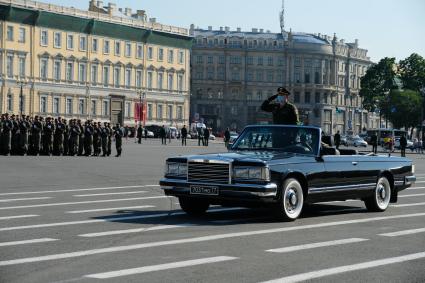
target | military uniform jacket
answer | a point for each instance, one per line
(7, 126)
(37, 127)
(88, 131)
(75, 130)
(285, 115)
(24, 126)
(118, 134)
(49, 129)
(60, 128)
(105, 133)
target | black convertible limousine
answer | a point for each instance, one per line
(284, 167)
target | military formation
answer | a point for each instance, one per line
(24, 135)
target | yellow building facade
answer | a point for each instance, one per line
(89, 65)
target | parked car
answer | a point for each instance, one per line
(344, 140)
(155, 129)
(283, 168)
(409, 144)
(211, 137)
(356, 141)
(233, 137)
(150, 134)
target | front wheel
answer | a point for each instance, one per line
(291, 202)
(380, 199)
(194, 207)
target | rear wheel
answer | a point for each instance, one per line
(292, 200)
(381, 197)
(193, 207)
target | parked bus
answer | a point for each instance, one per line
(383, 133)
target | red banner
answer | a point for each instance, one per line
(140, 112)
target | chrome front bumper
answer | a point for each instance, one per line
(409, 180)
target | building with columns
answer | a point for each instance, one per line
(93, 64)
(234, 71)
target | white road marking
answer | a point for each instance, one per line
(408, 196)
(112, 219)
(137, 230)
(347, 268)
(415, 188)
(109, 194)
(19, 199)
(419, 182)
(404, 232)
(197, 239)
(77, 190)
(33, 241)
(408, 204)
(111, 209)
(18, 216)
(159, 267)
(80, 202)
(317, 245)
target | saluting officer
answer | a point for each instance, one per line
(283, 111)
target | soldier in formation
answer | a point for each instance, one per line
(24, 135)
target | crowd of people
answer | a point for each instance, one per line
(25, 135)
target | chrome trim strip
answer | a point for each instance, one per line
(206, 161)
(408, 180)
(346, 187)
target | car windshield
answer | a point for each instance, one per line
(301, 140)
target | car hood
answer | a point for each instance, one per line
(269, 157)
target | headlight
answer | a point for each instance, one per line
(176, 169)
(413, 169)
(251, 173)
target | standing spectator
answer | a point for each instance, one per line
(403, 144)
(374, 142)
(163, 135)
(337, 139)
(206, 136)
(226, 138)
(126, 132)
(146, 133)
(139, 134)
(200, 136)
(183, 134)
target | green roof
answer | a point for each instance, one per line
(92, 26)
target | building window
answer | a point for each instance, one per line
(297, 77)
(250, 60)
(307, 97)
(221, 60)
(68, 106)
(139, 53)
(150, 111)
(170, 112)
(9, 33)
(280, 61)
(57, 70)
(317, 77)
(260, 61)
(270, 61)
(106, 46)
(9, 103)
(150, 75)
(181, 57)
(9, 66)
(117, 48)
(317, 97)
(160, 54)
(70, 42)
(160, 80)
(43, 104)
(259, 76)
(210, 60)
(69, 71)
(139, 77)
(236, 76)
(180, 82)
(234, 110)
(93, 74)
(128, 49)
(180, 112)
(57, 39)
(270, 76)
(44, 38)
(307, 77)
(56, 103)
(21, 38)
(83, 43)
(150, 53)
(93, 107)
(117, 77)
(81, 106)
(22, 67)
(94, 45)
(297, 97)
(170, 81)
(159, 112)
(250, 76)
(128, 109)
(82, 74)
(170, 56)
(105, 107)
(43, 68)
(127, 78)
(106, 75)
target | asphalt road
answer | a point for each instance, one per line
(94, 219)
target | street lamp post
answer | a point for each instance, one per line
(21, 84)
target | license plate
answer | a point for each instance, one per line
(204, 190)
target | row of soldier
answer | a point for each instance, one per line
(24, 135)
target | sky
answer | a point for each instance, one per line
(386, 28)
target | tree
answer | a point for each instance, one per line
(377, 83)
(403, 108)
(412, 72)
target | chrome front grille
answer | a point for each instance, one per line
(208, 172)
